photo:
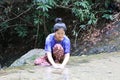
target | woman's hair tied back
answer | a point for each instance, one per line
(58, 20)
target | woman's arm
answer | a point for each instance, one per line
(66, 59)
(50, 58)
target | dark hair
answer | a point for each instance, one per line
(58, 20)
(59, 24)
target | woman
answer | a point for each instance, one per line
(57, 47)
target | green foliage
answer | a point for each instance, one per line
(108, 16)
(45, 5)
(83, 27)
(83, 11)
(93, 19)
(37, 21)
(22, 31)
(66, 2)
(4, 25)
(39, 14)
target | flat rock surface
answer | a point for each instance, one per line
(93, 67)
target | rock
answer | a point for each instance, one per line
(92, 67)
(29, 57)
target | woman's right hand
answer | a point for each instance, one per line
(55, 66)
(58, 66)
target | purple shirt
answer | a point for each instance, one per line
(50, 42)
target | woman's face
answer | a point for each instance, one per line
(59, 34)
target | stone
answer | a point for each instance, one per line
(29, 57)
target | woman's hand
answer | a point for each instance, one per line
(61, 66)
(55, 66)
(58, 66)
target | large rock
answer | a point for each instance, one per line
(93, 67)
(29, 57)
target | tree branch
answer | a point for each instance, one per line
(9, 27)
(61, 6)
(18, 15)
(22, 18)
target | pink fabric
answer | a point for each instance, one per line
(58, 56)
(42, 61)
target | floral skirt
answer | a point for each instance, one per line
(58, 56)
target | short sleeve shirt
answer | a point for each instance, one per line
(51, 41)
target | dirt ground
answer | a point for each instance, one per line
(93, 67)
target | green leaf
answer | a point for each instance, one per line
(83, 27)
(44, 7)
(108, 16)
(4, 25)
(21, 31)
(90, 21)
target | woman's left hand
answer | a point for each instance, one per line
(60, 66)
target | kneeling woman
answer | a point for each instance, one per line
(57, 47)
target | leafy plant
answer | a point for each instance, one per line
(108, 16)
(39, 15)
(22, 31)
(4, 25)
(82, 10)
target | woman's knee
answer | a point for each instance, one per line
(58, 47)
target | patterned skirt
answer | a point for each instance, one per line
(58, 56)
